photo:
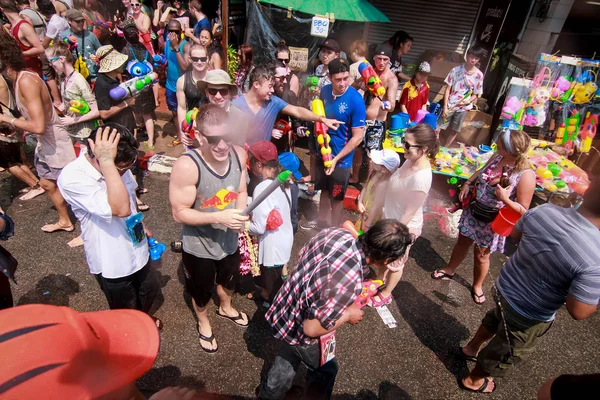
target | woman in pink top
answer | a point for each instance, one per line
(407, 190)
(54, 149)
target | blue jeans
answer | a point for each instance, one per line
(320, 380)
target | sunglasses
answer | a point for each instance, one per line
(123, 169)
(174, 31)
(214, 91)
(408, 146)
(201, 59)
(283, 60)
(214, 140)
(136, 5)
(51, 59)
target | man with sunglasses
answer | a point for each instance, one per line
(177, 55)
(260, 108)
(207, 192)
(87, 42)
(100, 188)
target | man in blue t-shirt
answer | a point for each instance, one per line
(342, 102)
(257, 110)
(557, 262)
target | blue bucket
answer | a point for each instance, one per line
(399, 121)
(431, 120)
(435, 108)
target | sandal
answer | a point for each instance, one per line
(466, 356)
(235, 319)
(177, 246)
(174, 143)
(143, 207)
(486, 382)
(158, 322)
(438, 274)
(142, 191)
(477, 297)
(373, 302)
(209, 339)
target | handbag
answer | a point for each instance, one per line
(482, 212)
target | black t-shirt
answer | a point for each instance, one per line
(101, 89)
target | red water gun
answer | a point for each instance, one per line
(283, 126)
(371, 79)
(321, 132)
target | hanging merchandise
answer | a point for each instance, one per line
(585, 87)
(516, 100)
(537, 101)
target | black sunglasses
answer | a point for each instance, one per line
(283, 60)
(408, 146)
(214, 140)
(214, 91)
(201, 59)
(174, 31)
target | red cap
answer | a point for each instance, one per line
(56, 353)
(263, 151)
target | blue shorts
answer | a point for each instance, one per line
(171, 100)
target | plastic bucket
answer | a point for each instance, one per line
(431, 120)
(399, 121)
(420, 115)
(505, 221)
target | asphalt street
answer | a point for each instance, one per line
(416, 360)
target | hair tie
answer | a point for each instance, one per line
(506, 141)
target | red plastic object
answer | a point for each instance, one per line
(77, 148)
(351, 199)
(274, 220)
(505, 221)
(143, 159)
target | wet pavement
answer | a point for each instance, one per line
(416, 360)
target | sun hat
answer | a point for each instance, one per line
(263, 151)
(386, 157)
(290, 162)
(57, 353)
(424, 67)
(109, 59)
(216, 77)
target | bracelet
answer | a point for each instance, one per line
(126, 105)
(12, 122)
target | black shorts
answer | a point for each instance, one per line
(202, 273)
(270, 279)
(336, 183)
(10, 154)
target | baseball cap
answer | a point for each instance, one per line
(330, 44)
(386, 157)
(383, 50)
(74, 14)
(290, 162)
(424, 67)
(335, 66)
(55, 352)
(263, 151)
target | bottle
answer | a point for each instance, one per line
(505, 178)
(156, 249)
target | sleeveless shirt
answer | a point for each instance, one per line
(213, 193)
(193, 97)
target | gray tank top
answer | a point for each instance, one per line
(213, 193)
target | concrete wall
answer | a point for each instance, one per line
(540, 37)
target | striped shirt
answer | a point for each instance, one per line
(326, 281)
(558, 256)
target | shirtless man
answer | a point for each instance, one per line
(377, 109)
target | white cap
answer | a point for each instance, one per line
(386, 157)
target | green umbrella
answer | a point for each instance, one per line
(347, 10)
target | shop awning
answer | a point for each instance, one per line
(346, 10)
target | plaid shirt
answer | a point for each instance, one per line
(326, 281)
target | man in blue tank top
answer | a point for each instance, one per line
(176, 53)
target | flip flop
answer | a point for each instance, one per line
(486, 382)
(143, 207)
(234, 319)
(177, 246)
(442, 275)
(49, 228)
(210, 339)
(174, 143)
(477, 297)
(465, 356)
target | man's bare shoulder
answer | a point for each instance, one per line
(388, 79)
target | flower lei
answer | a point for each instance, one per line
(248, 253)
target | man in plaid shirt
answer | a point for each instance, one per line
(318, 298)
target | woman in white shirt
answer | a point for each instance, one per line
(407, 190)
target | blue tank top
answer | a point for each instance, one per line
(174, 71)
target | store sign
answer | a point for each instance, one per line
(488, 27)
(298, 59)
(319, 27)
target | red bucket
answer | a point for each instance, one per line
(505, 221)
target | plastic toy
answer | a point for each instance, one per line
(560, 134)
(554, 168)
(159, 60)
(349, 226)
(79, 107)
(513, 109)
(312, 82)
(132, 87)
(543, 173)
(156, 249)
(322, 135)
(371, 79)
(572, 131)
(588, 132)
(187, 125)
(281, 179)
(584, 92)
(561, 85)
(137, 68)
(283, 126)
(71, 40)
(535, 111)
(369, 290)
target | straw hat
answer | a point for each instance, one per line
(109, 59)
(217, 77)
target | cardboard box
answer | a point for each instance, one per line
(440, 69)
(475, 130)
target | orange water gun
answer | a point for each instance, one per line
(322, 135)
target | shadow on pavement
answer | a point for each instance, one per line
(52, 289)
(162, 282)
(439, 331)
(260, 341)
(162, 377)
(387, 391)
(425, 256)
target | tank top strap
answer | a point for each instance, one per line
(193, 154)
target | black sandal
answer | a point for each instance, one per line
(477, 297)
(177, 246)
(486, 382)
(234, 319)
(442, 277)
(209, 339)
(466, 356)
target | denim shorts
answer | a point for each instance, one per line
(171, 100)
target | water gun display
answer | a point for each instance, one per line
(322, 135)
(312, 82)
(369, 290)
(371, 79)
(561, 85)
(572, 131)
(156, 249)
(159, 60)
(584, 92)
(560, 134)
(588, 132)
(281, 179)
(79, 107)
(132, 87)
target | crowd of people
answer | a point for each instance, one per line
(60, 67)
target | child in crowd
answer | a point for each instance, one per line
(415, 93)
(358, 53)
(383, 164)
(465, 85)
(271, 220)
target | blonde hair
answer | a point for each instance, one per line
(360, 47)
(61, 49)
(520, 143)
